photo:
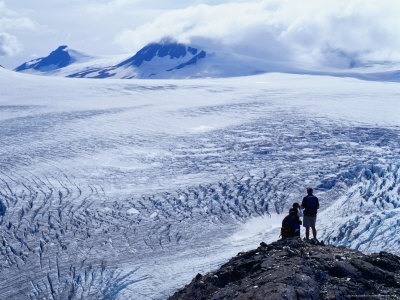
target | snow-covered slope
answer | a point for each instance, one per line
(126, 189)
(367, 216)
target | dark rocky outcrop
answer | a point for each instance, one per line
(297, 269)
(59, 58)
(147, 53)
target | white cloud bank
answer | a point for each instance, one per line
(335, 33)
(9, 44)
(10, 20)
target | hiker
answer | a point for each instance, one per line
(310, 204)
(289, 223)
(299, 213)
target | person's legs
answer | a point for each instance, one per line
(314, 232)
(306, 224)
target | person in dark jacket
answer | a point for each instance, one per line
(289, 224)
(310, 204)
(296, 210)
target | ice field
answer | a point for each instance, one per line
(126, 189)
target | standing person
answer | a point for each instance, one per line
(296, 210)
(310, 204)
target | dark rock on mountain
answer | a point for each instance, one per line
(147, 53)
(297, 269)
(59, 58)
(192, 61)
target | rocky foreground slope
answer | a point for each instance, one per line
(297, 269)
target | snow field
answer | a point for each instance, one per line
(129, 188)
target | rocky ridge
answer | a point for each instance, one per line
(298, 269)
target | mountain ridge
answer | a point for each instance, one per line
(152, 60)
(172, 60)
(57, 59)
(164, 59)
(298, 269)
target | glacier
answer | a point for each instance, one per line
(122, 189)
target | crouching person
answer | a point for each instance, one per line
(289, 225)
(296, 210)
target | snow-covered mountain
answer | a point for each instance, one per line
(57, 59)
(154, 60)
(169, 59)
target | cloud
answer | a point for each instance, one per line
(9, 44)
(10, 21)
(109, 7)
(309, 33)
(19, 23)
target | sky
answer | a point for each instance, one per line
(310, 33)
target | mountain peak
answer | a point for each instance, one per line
(155, 60)
(171, 50)
(57, 59)
(62, 47)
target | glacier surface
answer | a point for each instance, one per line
(126, 189)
